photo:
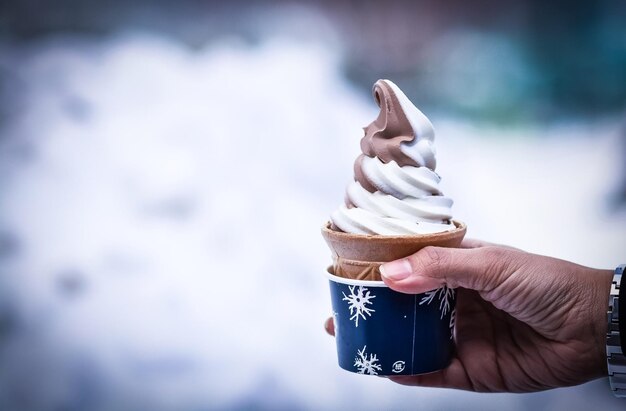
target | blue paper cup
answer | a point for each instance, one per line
(383, 332)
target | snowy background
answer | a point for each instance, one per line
(160, 207)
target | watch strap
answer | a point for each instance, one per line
(621, 308)
(616, 361)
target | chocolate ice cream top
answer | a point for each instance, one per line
(396, 191)
(392, 134)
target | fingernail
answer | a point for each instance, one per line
(396, 270)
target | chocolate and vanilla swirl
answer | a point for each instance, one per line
(396, 190)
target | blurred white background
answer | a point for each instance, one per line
(161, 199)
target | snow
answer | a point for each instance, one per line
(160, 218)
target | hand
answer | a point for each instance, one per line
(524, 322)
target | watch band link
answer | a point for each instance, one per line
(616, 361)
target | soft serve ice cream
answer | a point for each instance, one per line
(393, 209)
(396, 190)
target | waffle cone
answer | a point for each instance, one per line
(358, 256)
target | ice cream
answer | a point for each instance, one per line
(396, 190)
(393, 209)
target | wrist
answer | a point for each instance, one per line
(604, 280)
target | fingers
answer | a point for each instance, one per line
(329, 326)
(481, 269)
(454, 376)
(473, 243)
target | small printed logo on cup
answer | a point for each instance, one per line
(397, 366)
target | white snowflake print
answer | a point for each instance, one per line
(452, 323)
(357, 302)
(366, 365)
(443, 294)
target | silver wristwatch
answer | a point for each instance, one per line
(616, 361)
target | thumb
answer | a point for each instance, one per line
(480, 269)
